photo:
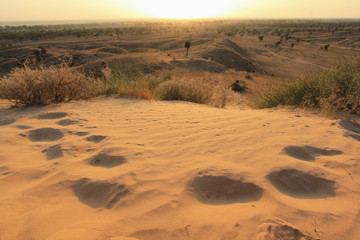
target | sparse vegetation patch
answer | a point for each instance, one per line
(334, 90)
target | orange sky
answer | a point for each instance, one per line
(22, 10)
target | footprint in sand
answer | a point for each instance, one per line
(299, 184)
(53, 115)
(7, 122)
(23, 127)
(45, 135)
(107, 159)
(96, 138)
(278, 229)
(308, 153)
(4, 171)
(66, 122)
(98, 194)
(53, 152)
(80, 134)
(220, 189)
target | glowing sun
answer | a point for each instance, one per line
(184, 8)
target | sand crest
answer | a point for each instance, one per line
(135, 169)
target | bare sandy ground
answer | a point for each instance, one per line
(117, 168)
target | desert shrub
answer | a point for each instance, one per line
(334, 90)
(123, 77)
(37, 85)
(183, 90)
(120, 75)
(239, 86)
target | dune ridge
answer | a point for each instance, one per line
(135, 169)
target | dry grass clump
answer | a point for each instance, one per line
(334, 90)
(185, 90)
(37, 85)
(124, 78)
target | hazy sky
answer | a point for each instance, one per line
(20, 10)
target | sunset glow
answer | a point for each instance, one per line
(184, 9)
(26, 10)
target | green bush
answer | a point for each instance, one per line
(333, 90)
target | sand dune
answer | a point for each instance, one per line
(117, 168)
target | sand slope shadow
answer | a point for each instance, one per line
(45, 135)
(216, 190)
(308, 153)
(354, 136)
(99, 193)
(299, 184)
(349, 125)
(108, 158)
(53, 115)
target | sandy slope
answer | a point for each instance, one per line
(116, 168)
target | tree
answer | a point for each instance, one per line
(261, 37)
(187, 46)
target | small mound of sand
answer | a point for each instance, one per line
(308, 153)
(53, 115)
(112, 50)
(45, 135)
(66, 122)
(211, 189)
(99, 193)
(96, 138)
(7, 122)
(299, 184)
(229, 59)
(200, 65)
(54, 152)
(107, 159)
(349, 125)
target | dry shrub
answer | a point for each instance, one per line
(39, 85)
(185, 90)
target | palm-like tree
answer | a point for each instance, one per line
(187, 46)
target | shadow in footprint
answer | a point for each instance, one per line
(99, 193)
(53, 152)
(308, 153)
(106, 160)
(299, 184)
(81, 134)
(23, 127)
(45, 135)
(66, 122)
(216, 190)
(350, 125)
(7, 122)
(53, 115)
(96, 138)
